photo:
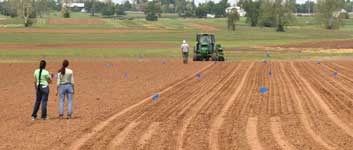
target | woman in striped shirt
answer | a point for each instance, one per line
(65, 83)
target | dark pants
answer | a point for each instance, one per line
(185, 57)
(42, 97)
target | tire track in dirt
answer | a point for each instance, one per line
(82, 140)
(115, 143)
(218, 122)
(197, 108)
(277, 132)
(147, 136)
(331, 115)
(302, 114)
(251, 134)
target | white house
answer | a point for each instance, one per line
(241, 11)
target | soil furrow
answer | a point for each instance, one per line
(252, 135)
(147, 136)
(115, 143)
(305, 118)
(277, 132)
(163, 113)
(199, 105)
(331, 115)
(78, 143)
(214, 131)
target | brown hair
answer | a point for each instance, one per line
(63, 68)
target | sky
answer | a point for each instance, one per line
(230, 1)
(202, 1)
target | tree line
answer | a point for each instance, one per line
(280, 13)
(265, 13)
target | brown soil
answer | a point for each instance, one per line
(36, 30)
(85, 46)
(75, 21)
(305, 107)
(203, 27)
(343, 44)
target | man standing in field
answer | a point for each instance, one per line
(185, 51)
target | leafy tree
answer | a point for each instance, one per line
(221, 8)
(152, 11)
(201, 11)
(190, 10)
(233, 17)
(276, 13)
(65, 11)
(120, 10)
(127, 5)
(41, 7)
(328, 13)
(180, 7)
(307, 7)
(108, 9)
(348, 6)
(252, 9)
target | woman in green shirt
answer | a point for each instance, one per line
(42, 79)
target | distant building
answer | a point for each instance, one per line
(73, 5)
(210, 16)
(240, 11)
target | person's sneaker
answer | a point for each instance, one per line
(46, 118)
(61, 116)
(69, 117)
(34, 118)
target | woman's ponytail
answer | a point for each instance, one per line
(62, 70)
(41, 67)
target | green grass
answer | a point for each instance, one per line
(92, 52)
(305, 29)
(243, 55)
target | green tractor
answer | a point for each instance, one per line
(206, 48)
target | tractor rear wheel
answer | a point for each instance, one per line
(194, 58)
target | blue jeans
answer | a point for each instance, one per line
(68, 91)
(41, 97)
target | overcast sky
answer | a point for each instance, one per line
(231, 1)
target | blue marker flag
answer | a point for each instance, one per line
(263, 90)
(126, 74)
(334, 73)
(318, 62)
(270, 73)
(198, 75)
(155, 97)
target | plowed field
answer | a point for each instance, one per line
(305, 107)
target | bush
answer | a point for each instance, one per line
(152, 11)
(66, 15)
(65, 12)
(108, 11)
(344, 15)
(28, 23)
(151, 17)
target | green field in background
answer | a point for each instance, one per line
(304, 29)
